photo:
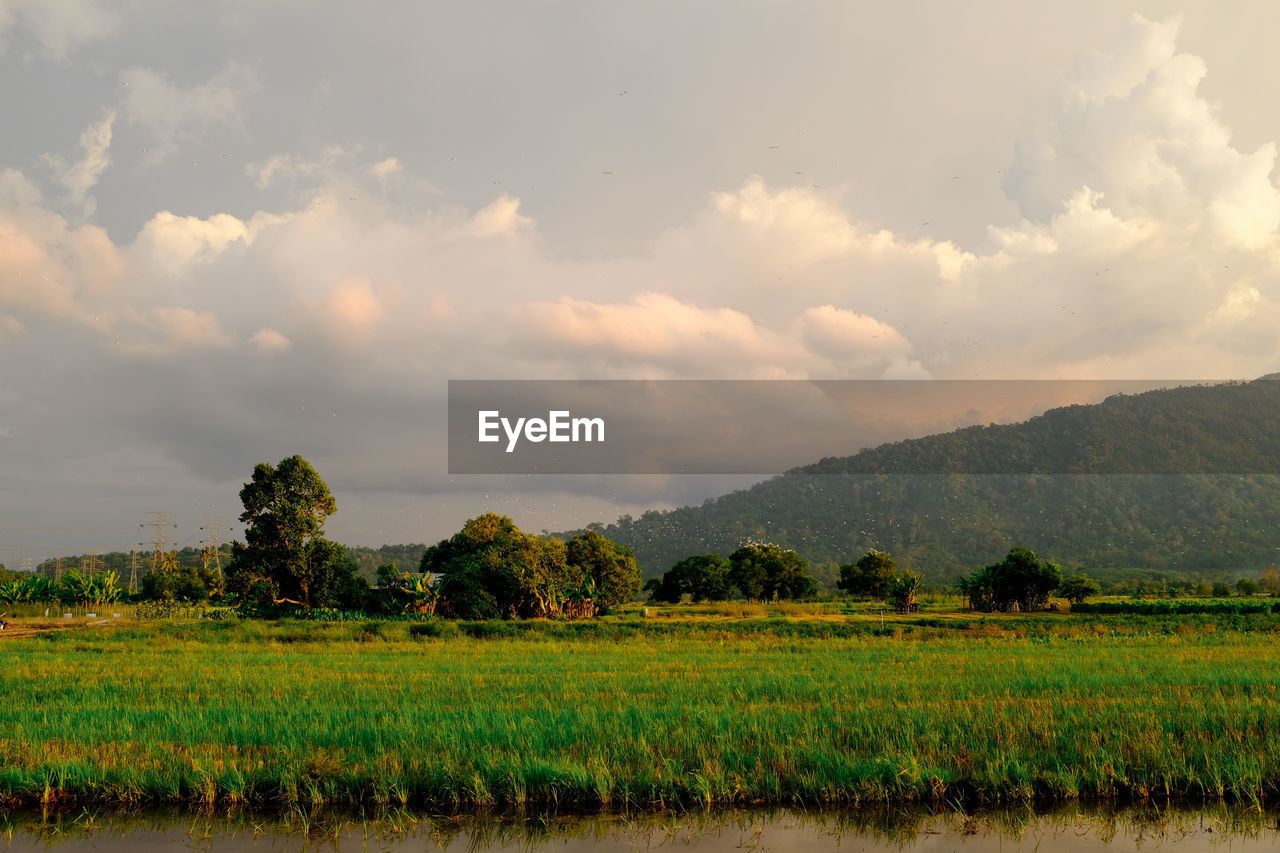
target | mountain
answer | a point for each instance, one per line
(1184, 479)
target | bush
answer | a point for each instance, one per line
(1179, 607)
(437, 629)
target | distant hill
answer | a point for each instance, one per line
(1183, 479)
(406, 558)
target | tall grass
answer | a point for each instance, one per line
(303, 715)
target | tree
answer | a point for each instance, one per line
(1269, 581)
(611, 567)
(1247, 587)
(764, 572)
(492, 569)
(285, 558)
(903, 589)
(869, 577)
(704, 577)
(980, 588)
(1020, 578)
(1079, 587)
(477, 567)
(666, 589)
(187, 583)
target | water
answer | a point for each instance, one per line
(1213, 828)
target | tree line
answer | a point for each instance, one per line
(492, 569)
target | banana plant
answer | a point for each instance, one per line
(103, 588)
(75, 587)
(13, 592)
(38, 588)
(98, 588)
(421, 594)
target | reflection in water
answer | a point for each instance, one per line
(1072, 830)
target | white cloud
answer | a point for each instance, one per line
(1131, 125)
(173, 115)
(78, 177)
(54, 269)
(60, 27)
(846, 335)
(170, 244)
(656, 335)
(163, 330)
(269, 340)
(501, 218)
(325, 165)
(384, 169)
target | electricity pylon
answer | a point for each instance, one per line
(213, 542)
(160, 521)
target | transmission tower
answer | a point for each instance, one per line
(160, 521)
(213, 541)
(133, 571)
(57, 569)
(90, 564)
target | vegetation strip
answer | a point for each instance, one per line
(283, 714)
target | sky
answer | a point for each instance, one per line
(235, 231)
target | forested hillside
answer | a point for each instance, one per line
(1183, 479)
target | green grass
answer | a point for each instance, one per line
(645, 713)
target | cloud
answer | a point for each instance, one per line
(655, 334)
(353, 305)
(162, 330)
(1131, 125)
(269, 340)
(1142, 244)
(59, 27)
(170, 244)
(78, 177)
(384, 169)
(54, 269)
(501, 218)
(325, 165)
(843, 335)
(173, 115)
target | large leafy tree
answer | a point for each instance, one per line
(1079, 587)
(285, 558)
(1020, 578)
(492, 569)
(764, 572)
(869, 577)
(704, 577)
(610, 567)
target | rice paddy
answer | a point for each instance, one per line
(644, 714)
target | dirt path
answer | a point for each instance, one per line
(20, 628)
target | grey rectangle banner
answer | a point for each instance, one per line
(758, 426)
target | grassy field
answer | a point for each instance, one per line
(635, 713)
